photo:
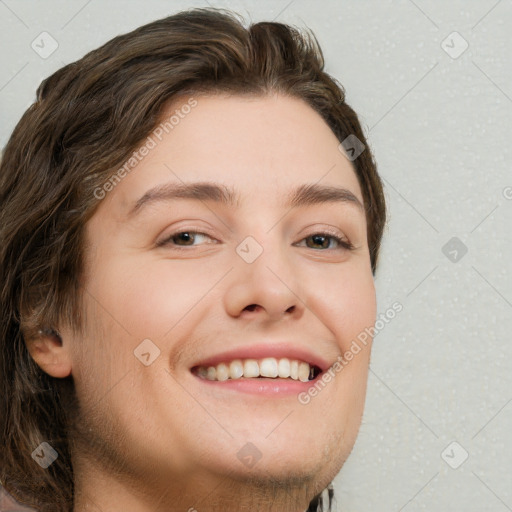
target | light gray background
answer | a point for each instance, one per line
(441, 131)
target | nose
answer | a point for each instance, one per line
(266, 289)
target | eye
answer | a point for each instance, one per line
(188, 237)
(323, 239)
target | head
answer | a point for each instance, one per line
(174, 201)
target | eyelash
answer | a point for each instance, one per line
(343, 244)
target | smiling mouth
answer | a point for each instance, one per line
(268, 367)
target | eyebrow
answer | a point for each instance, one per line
(303, 195)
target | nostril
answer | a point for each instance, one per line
(252, 307)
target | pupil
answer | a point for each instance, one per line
(187, 235)
(317, 237)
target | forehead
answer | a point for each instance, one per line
(262, 146)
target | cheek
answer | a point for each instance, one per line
(345, 303)
(149, 298)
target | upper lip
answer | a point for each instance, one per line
(263, 350)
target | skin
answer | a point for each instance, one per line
(155, 438)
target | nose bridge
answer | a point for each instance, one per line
(263, 246)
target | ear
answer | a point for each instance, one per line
(50, 353)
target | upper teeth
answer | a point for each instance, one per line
(267, 367)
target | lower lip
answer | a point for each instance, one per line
(262, 386)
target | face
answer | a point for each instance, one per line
(195, 286)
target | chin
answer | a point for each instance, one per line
(303, 476)
(297, 458)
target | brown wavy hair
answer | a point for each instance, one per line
(88, 119)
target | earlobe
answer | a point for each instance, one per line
(50, 353)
